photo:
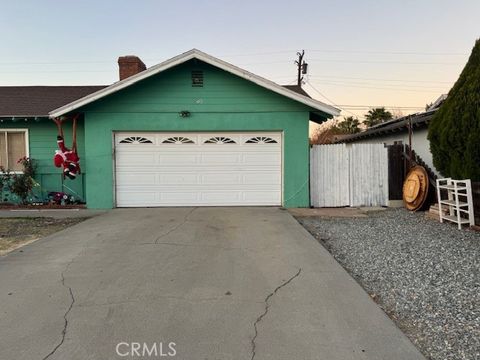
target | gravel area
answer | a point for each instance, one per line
(425, 275)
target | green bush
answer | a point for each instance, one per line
(20, 184)
(454, 131)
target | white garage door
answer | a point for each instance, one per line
(198, 169)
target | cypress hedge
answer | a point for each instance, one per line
(454, 131)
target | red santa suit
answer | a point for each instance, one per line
(66, 158)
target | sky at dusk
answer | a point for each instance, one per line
(399, 54)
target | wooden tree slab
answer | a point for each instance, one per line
(415, 188)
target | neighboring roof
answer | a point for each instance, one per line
(182, 58)
(28, 101)
(436, 104)
(401, 124)
(298, 89)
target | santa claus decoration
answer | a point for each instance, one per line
(64, 157)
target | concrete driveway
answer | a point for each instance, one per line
(213, 283)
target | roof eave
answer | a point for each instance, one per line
(179, 59)
(422, 122)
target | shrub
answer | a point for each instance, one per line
(454, 131)
(20, 184)
(5, 177)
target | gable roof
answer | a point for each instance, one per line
(38, 101)
(298, 89)
(199, 55)
(397, 125)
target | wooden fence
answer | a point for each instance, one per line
(349, 175)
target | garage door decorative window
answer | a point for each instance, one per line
(135, 140)
(178, 140)
(219, 140)
(261, 140)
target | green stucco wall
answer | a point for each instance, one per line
(42, 135)
(225, 103)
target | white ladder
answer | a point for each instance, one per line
(459, 201)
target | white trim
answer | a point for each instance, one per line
(179, 59)
(114, 167)
(27, 143)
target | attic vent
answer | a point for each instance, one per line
(197, 78)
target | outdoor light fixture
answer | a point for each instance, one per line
(184, 113)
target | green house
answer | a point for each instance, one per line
(191, 131)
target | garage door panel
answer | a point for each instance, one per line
(181, 197)
(265, 178)
(215, 197)
(137, 158)
(137, 197)
(167, 172)
(178, 159)
(220, 159)
(262, 158)
(196, 187)
(139, 178)
(178, 179)
(221, 179)
(264, 196)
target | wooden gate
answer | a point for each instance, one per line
(396, 171)
(349, 175)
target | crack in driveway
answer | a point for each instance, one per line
(185, 219)
(267, 307)
(65, 315)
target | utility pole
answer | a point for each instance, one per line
(301, 66)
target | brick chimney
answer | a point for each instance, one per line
(130, 65)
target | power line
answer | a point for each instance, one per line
(356, 62)
(393, 86)
(389, 52)
(55, 62)
(56, 71)
(362, 107)
(372, 81)
(380, 88)
(273, 53)
(384, 62)
(333, 103)
(380, 79)
(260, 53)
(333, 51)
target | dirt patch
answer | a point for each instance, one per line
(9, 206)
(17, 232)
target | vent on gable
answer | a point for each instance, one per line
(197, 78)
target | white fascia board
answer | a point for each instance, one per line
(179, 59)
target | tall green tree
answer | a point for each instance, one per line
(349, 125)
(376, 116)
(454, 131)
